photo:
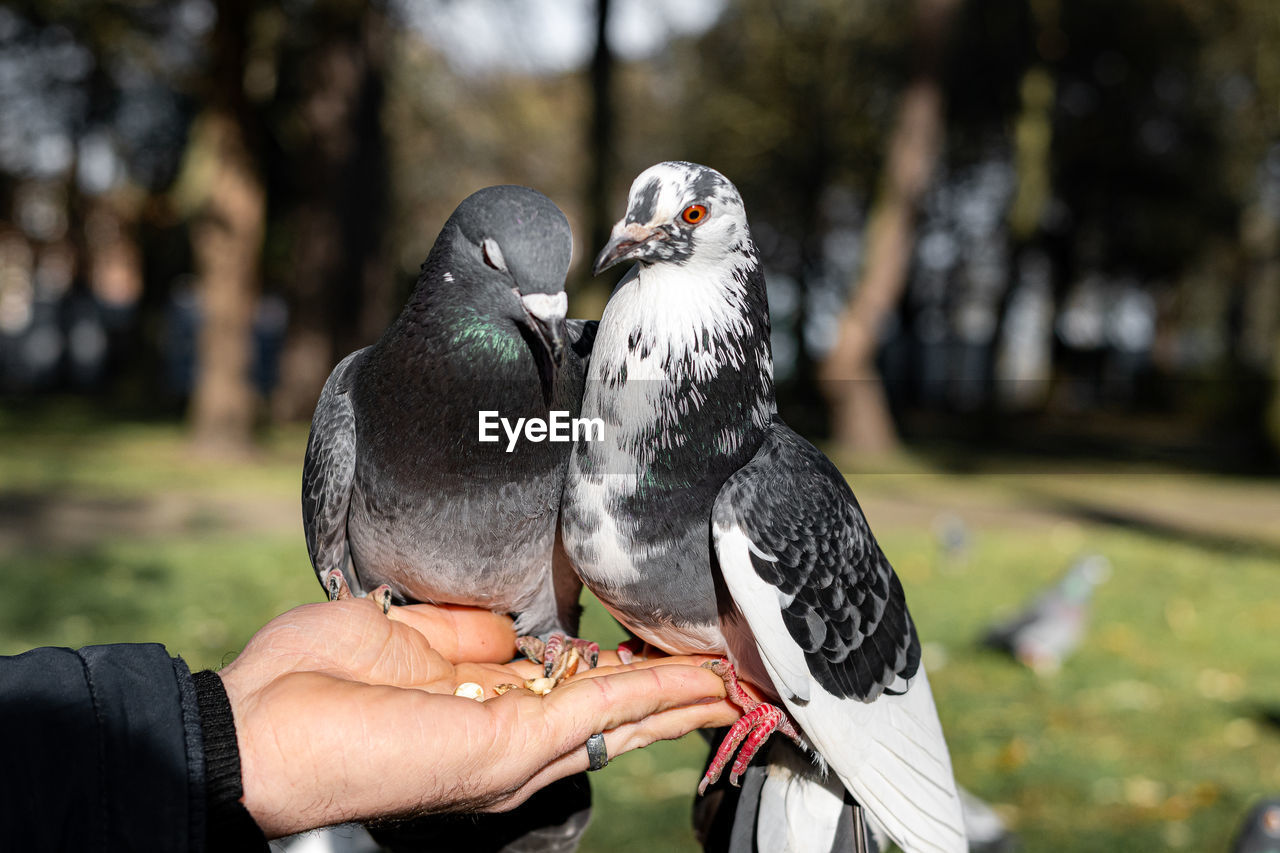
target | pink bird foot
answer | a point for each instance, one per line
(560, 655)
(633, 650)
(758, 721)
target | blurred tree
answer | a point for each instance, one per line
(860, 412)
(591, 294)
(1243, 53)
(469, 129)
(790, 99)
(94, 124)
(227, 237)
(333, 181)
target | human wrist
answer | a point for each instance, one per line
(229, 825)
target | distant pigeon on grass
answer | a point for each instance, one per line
(1053, 624)
(986, 829)
(954, 542)
(706, 525)
(1260, 830)
(400, 498)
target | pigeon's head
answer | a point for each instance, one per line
(510, 247)
(677, 213)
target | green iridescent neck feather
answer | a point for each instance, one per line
(472, 330)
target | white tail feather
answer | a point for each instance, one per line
(907, 785)
(799, 810)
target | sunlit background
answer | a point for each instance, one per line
(1024, 269)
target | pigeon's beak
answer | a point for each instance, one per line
(546, 316)
(629, 240)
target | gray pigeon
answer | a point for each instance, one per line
(397, 489)
(1260, 830)
(401, 499)
(1052, 626)
(706, 525)
(954, 542)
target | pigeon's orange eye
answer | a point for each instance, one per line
(694, 213)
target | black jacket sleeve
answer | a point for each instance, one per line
(104, 749)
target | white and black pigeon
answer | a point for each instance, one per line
(706, 525)
(1053, 624)
(400, 499)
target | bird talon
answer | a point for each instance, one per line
(382, 596)
(708, 779)
(758, 721)
(551, 654)
(561, 655)
(532, 648)
(562, 665)
(337, 587)
(633, 650)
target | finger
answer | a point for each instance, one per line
(490, 675)
(583, 707)
(516, 672)
(616, 666)
(666, 725)
(461, 633)
(684, 660)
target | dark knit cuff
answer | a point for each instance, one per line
(230, 826)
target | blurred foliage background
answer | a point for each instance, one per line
(1024, 269)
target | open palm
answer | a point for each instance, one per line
(343, 714)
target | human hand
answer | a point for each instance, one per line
(345, 714)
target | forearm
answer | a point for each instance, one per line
(102, 745)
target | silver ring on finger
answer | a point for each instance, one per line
(597, 755)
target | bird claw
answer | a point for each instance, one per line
(633, 650)
(337, 587)
(561, 655)
(531, 647)
(382, 597)
(339, 590)
(758, 721)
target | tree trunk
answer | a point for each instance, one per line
(592, 295)
(859, 408)
(338, 289)
(227, 243)
(227, 240)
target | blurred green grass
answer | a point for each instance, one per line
(1151, 737)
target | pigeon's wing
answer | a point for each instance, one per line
(836, 596)
(328, 472)
(581, 335)
(830, 621)
(570, 385)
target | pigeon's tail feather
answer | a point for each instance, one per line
(799, 812)
(898, 768)
(785, 803)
